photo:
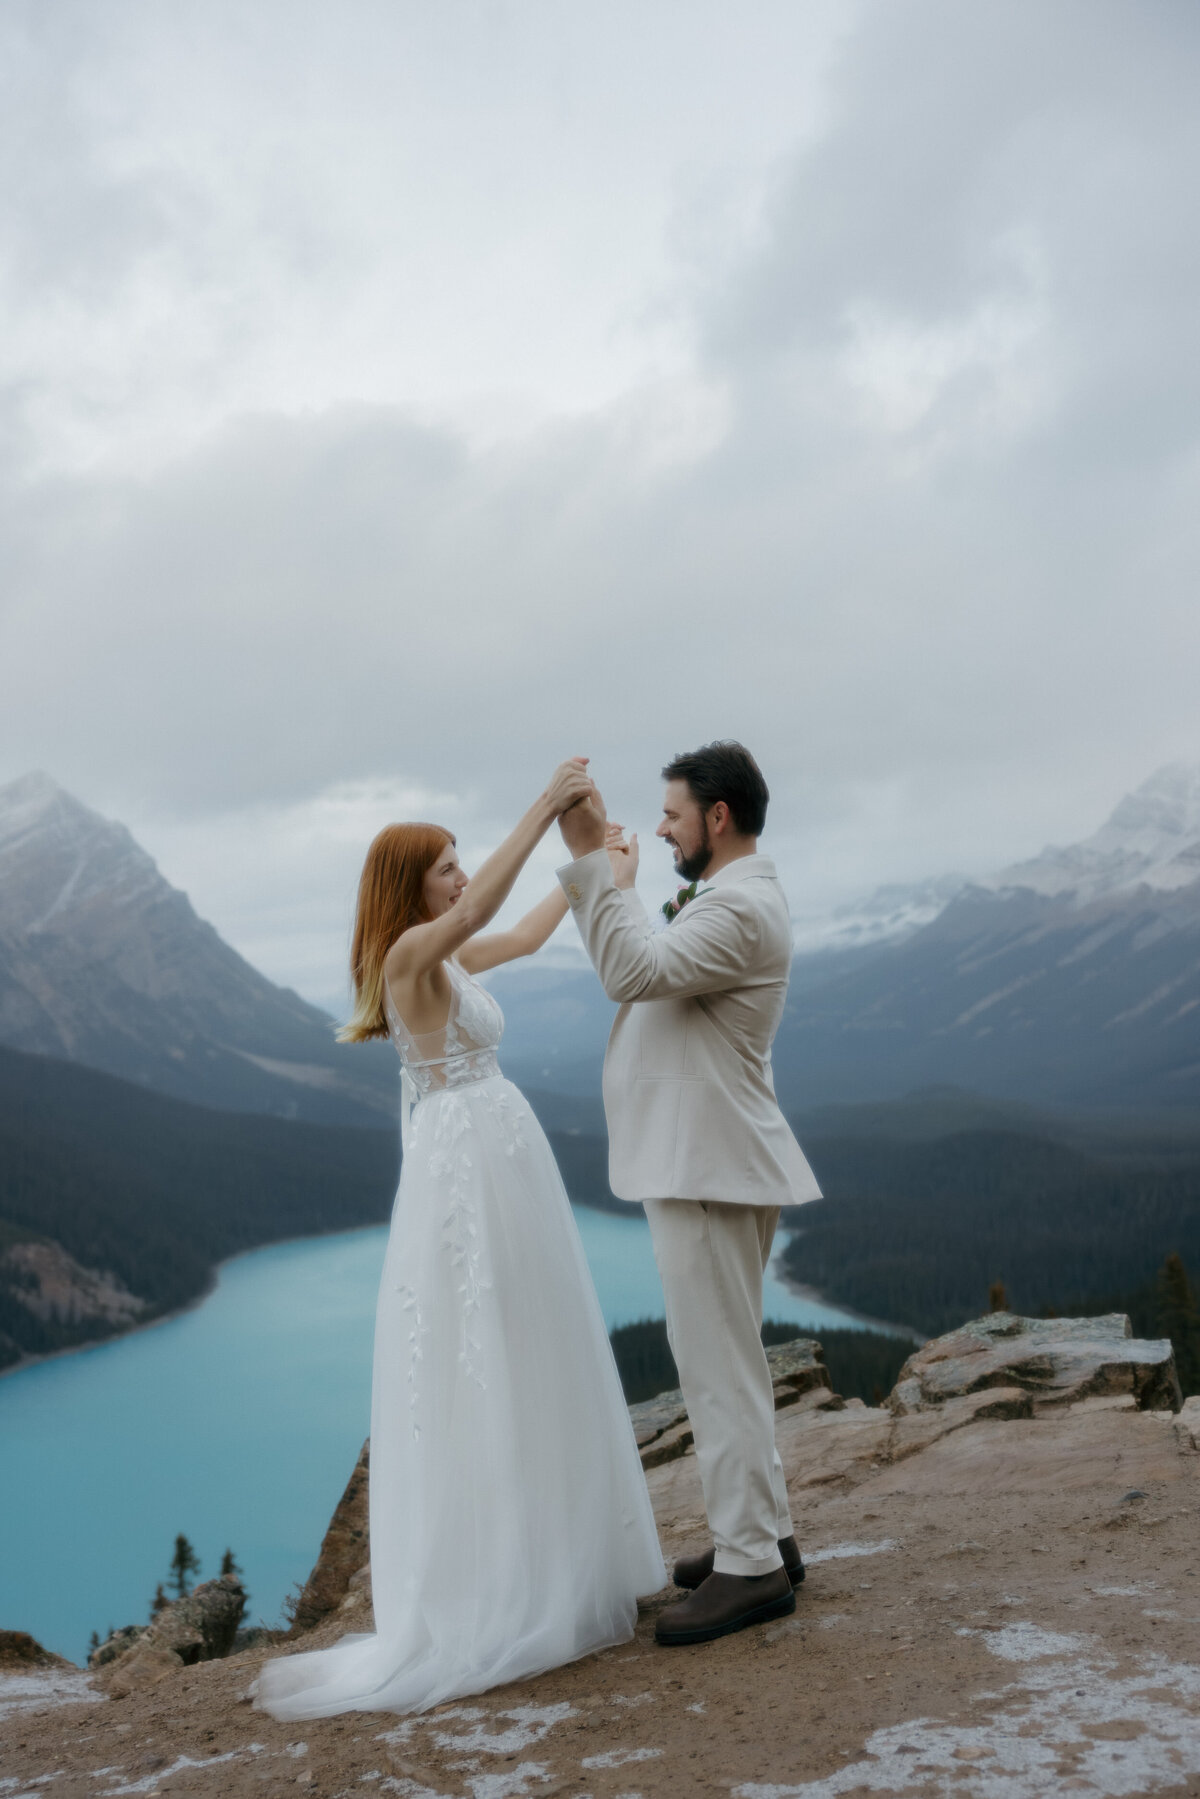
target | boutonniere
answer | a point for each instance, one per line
(672, 908)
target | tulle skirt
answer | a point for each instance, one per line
(511, 1529)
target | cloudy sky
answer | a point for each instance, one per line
(396, 397)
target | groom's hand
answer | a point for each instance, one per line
(583, 825)
(623, 856)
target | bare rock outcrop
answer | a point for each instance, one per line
(345, 1548)
(1187, 1425)
(798, 1373)
(56, 1288)
(1054, 1360)
(19, 1653)
(144, 1666)
(116, 1644)
(201, 1627)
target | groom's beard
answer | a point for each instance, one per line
(693, 866)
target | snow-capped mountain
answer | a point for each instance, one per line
(1071, 979)
(1152, 840)
(889, 914)
(103, 962)
(57, 857)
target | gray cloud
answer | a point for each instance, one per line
(906, 500)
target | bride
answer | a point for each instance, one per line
(511, 1529)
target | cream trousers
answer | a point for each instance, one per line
(711, 1258)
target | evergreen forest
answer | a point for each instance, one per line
(862, 1364)
(918, 1233)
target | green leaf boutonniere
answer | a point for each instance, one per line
(672, 908)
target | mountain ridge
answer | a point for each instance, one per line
(1072, 981)
(103, 962)
(1151, 838)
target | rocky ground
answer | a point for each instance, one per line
(1002, 1602)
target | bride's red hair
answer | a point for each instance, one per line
(391, 897)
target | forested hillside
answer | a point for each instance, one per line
(154, 1192)
(862, 1364)
(917, 1232)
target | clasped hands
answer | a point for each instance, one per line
(585, 827)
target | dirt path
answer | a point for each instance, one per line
(990, 1613)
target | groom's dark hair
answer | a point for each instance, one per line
(724, 771)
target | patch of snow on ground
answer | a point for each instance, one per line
(530, 1724)
(398, 1735)
(150, 1783)
(1068, 1717)
(617, 1758)
(511, 1785)
(840, 1551)
(41, 1692)
(408, 1789)
(1026, 1642)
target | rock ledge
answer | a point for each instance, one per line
(1056, 1360)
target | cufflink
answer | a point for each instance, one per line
(574, 893)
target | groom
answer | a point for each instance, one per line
(695, 1133)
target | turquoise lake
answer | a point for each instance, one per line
(237, 1423)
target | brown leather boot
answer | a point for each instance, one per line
(725, 1603)
(690, 1570)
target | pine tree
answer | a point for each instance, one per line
(229, 1565)
(93, 1642)
(184, 1563)
(1179, 1319)
(159, 1602)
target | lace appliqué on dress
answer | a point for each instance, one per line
(459, 1063)
(506, 1118)
(451, 1160)
(478, 1018)
(417, 1332)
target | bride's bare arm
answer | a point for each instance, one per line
(424, 946)
(539, 925)
(526, 937)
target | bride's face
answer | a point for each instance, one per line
(443, 882)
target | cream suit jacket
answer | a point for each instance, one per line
(688, 1091)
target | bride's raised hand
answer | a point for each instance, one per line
(568, 784)
(623, 856)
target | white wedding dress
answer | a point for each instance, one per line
(511, 1529)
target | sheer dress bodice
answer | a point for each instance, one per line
(463, 1050)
